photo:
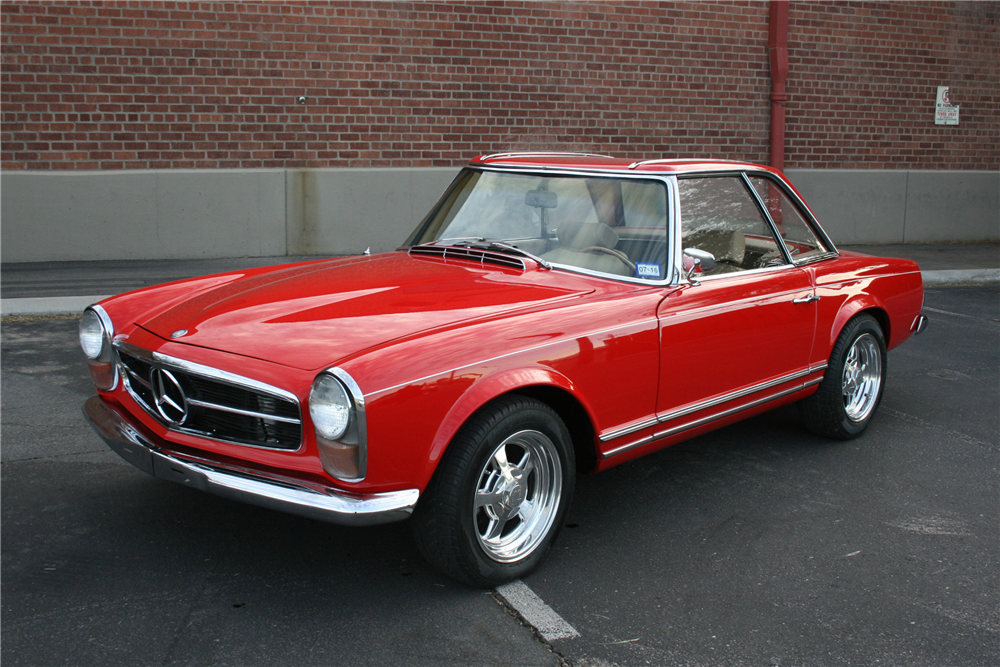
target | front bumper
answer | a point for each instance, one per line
(285, 494)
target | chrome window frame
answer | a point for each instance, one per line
(669, 181)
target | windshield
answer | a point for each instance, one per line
(609, 225)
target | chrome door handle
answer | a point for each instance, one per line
(806, 299)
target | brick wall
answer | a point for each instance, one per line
(215, 85)
(864, 76)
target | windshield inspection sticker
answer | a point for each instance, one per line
(648, 270)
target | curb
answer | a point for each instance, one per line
(52, 305)
(68, 305)
(962, 277)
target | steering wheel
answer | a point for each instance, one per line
(617, 254)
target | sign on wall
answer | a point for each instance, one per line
(945, 113)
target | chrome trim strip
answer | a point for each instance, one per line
(612, 435)
(711, 403)
(725, 413)
(206, 371)
(697, 407)
(497, 156)
(135, 376)
(704, 420)
(285, 494)
(678, 160)
(246, 413)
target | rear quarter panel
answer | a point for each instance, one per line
(891, 289)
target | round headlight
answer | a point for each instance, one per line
(329, 407)
(92, 334)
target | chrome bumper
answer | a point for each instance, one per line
(314, 501)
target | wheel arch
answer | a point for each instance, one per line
(859, 307)
(576, 418)
(542, 384)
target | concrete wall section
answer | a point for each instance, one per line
(187, 214)
(156, 214)
(952, 206)
(345, 211)
(902, 206)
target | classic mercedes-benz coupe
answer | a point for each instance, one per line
(553, 314)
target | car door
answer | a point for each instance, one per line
(741, 336)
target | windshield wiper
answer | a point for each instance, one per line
(496, 246)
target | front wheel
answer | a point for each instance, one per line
(500, 494)
(851, 389)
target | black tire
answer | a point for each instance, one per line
(485, 528)
(852, 387)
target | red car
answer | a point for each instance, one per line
(553, 314)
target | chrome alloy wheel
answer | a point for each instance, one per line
(517, 496)
(862, 377)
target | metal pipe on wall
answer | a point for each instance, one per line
(777, 48)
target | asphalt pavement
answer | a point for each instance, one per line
(758, 544)
(40, 288)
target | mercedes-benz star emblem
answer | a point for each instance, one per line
(171, 402)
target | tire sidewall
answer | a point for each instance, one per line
(534, 417)
(855, 330)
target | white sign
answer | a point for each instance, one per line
(945, 113)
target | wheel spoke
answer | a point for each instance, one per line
(524, 511)
(489, 499)
(503, 466)
(495, 529)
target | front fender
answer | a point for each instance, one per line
(493, 386)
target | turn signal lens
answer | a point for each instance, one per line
(340, 460)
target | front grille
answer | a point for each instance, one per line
(210, 403)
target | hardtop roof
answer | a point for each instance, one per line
(590, 161)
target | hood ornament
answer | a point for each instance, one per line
(179, 333)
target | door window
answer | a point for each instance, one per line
(719, 215)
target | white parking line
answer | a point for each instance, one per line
(548, 623)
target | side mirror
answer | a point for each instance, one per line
(701, 258)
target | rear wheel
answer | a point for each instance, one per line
(851, 389)
(499, 496)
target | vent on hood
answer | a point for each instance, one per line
(468, 254)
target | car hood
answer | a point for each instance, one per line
(312, 315)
